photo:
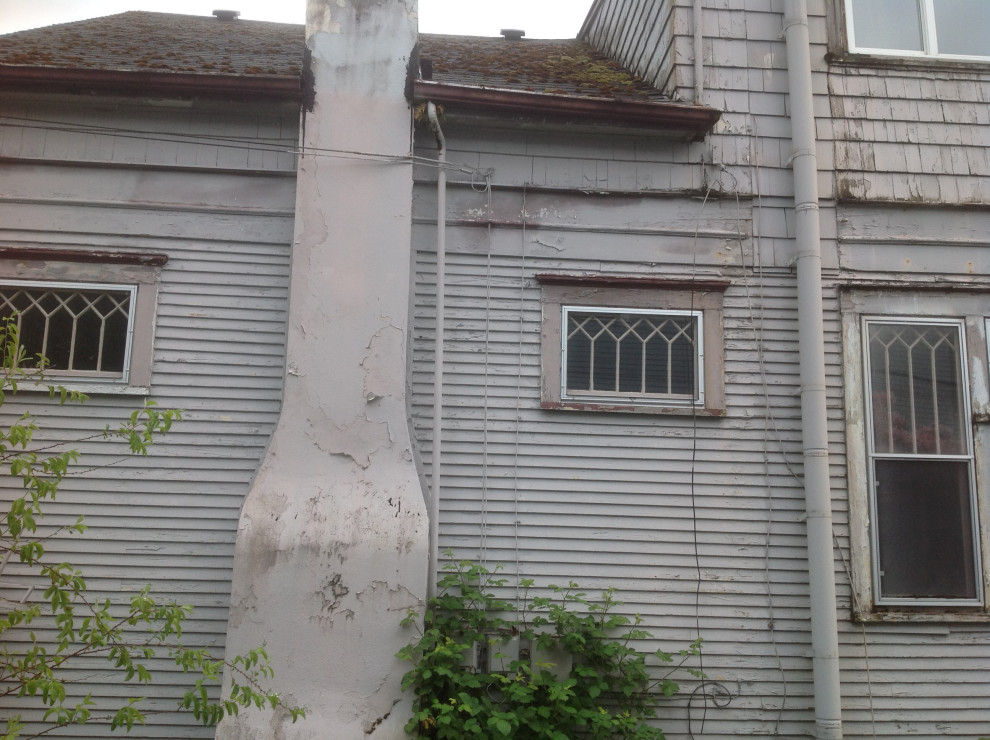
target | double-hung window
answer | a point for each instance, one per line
(938, 29)
(632, 344)
(89, 315)
(925, 534)
(916, 386)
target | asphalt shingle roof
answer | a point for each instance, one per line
(569, 67)
(140, 41)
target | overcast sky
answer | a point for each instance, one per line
(539, 18)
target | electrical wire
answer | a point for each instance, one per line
(273, 145)
(483, 544)
(694, 503)
(524, 217)
(756, 268)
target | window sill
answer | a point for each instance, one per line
(923, 615)
(90, 389)
(656, 409)
(920, 64)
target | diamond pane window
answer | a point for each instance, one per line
(83, 330)
(641, 355)
(924, 513)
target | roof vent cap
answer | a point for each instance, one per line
(226, 15)
(512, 34)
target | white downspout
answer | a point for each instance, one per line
(434, 504)
(811, 348)
(699, 50)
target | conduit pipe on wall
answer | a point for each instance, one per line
(699, 51)
(811, 348)
(434, 504)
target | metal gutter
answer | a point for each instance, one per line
(693, 121)
(148, 84)
(811, 352)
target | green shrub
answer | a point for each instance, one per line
(69, 625)
(559, 667)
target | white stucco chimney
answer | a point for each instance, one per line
(333, 538)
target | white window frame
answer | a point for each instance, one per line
(702, 299)
(56, 374)
(967, 310)
(967, 457)
(928, 33)
(698, 397)
(61, 269)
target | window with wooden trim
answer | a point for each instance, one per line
(632, 344)
(94, 328)
(922, 479)
(935, 29)
(80, 330)
(632, 355)
(916, 388)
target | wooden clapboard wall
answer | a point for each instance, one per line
(213, 188)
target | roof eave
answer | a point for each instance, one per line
(149, 84)
(689, 120)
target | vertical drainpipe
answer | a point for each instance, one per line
(434, 510)
(811, 348)
(699, 61)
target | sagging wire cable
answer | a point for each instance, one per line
(720, 696)
(483, 543)
(277, 146)
(772, 433)
(524, 217)
(769, 420)
(702, 687)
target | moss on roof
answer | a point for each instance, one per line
(555, 66)
(172, 43)
(166, 42)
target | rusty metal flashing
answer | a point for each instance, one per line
(937, 285)
(153, 259)
(622, 281)
(694, 121)
(149, 84)
(861, 61)
(630, 409)
(699, 193)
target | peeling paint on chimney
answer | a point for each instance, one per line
(333, 539)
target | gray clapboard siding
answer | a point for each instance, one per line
(564, 488)
(557, 493)
(548, 493)
(168, 519)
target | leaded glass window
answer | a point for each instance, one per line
(924, 533)
(80, 329)
(641, 355)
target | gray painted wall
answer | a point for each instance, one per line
(143, 177)
(699, 523)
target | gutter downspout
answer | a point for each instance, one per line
(434, 503)
(699, 62)
(811, 349)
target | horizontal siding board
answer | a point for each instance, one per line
(663, 496)
(169, 519)
(701, 521)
